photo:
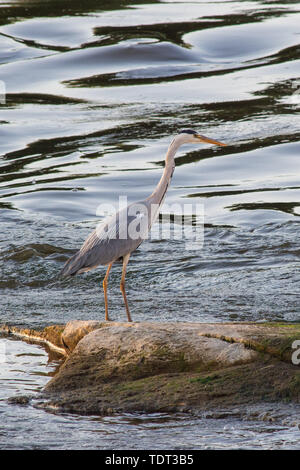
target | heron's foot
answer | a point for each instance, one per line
(128, 316)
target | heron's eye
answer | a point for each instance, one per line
(188, 131)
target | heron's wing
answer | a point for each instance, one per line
(113, 238)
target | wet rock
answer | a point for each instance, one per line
(19, 400)
(50, 336)
(75, 330)
(167, 367)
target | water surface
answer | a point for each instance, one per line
(95, 93)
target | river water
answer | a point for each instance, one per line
(95, 91)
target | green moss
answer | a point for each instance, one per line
(206, 379)
(283, 325)
(295, 383)
(281, 346)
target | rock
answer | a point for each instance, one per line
(155, 367)
(76, 330)
(50, 336)
(19, 400)
(137, 350)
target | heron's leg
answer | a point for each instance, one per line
(122, 285)
(105, 291)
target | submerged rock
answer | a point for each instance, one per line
(19, 400)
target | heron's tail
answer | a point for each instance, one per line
(71, 267)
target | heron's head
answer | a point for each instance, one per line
(189, 136)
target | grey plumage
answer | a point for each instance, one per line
(108, 243)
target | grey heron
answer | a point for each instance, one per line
(113, 240)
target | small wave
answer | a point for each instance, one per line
(24, 253)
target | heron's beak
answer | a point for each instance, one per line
(207, 140)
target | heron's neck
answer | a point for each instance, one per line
(159, 192)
